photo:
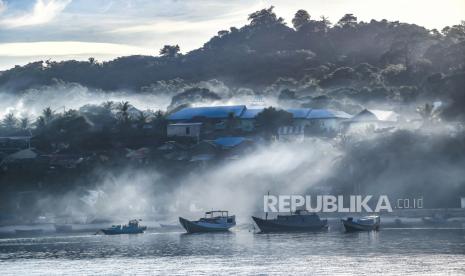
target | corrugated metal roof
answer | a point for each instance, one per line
(376, 115)
(327, 114)
(299, 113)
(212, 112)
(251, 113)
(385, 115)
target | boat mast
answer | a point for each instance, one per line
(266, 214)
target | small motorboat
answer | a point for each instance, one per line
(63, 228)
(132, 227)
(368, 223)
(214, 221)
(300, 220)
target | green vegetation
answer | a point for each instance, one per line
(376, 60)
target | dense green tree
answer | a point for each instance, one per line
(348, 20)
(48, 115)
(270, 119)
(170, 51)
(301, 18)
(108, 105)
(265, 17)
(142, 119)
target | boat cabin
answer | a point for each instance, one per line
(212, 214)
(299, 215)
(219, 215)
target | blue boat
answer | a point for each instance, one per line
(214, 221)
(132, 227)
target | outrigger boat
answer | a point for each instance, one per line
(132, 227)
(214, 221)
(368, 223)
(300, 220)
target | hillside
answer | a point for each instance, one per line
(365, 61)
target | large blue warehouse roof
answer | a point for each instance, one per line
(299, 113)
(211, 112)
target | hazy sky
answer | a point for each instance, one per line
(63, 29)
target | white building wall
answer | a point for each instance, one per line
(184, 130)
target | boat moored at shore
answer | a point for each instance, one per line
(214, 221)
(368, 223)
(132, 227)
(298, 221)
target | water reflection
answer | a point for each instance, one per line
(241, 251)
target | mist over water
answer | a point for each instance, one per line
(234, 185)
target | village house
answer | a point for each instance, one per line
(326, 120)
(184, 130)
(307, 121)
(213, 118)
(372, 119)
(217, 121)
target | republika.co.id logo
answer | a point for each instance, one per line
(340, 203)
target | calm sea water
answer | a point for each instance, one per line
(387, 252)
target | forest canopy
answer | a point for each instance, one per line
(376, 60)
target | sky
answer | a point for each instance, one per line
(33, 30)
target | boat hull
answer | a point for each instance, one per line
(351, 226)
(268, 226)
(125, 231)
(197, 227)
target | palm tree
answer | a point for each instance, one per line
(429, 112)
(47, 115)
(10, 121)
(24, 123)
(123, 111)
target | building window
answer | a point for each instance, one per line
(188, 130)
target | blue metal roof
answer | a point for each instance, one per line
(299, 113)
(212, 112)
(229, 142)
(251, 113)
(327, 114)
